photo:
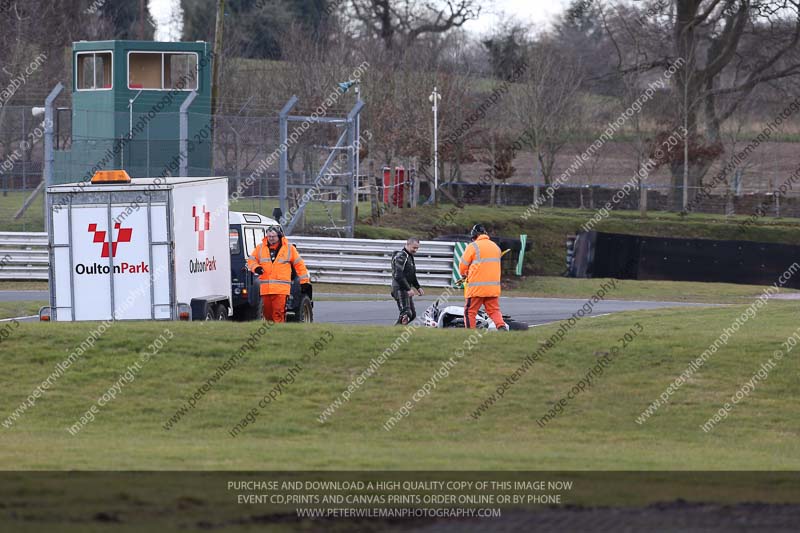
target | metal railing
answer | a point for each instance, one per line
(23, 256)
(368, 261)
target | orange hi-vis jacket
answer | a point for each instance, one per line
(481, 266)
(277, 276)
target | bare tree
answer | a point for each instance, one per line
(631, 70)
(499, 159)
(398, 113)
(32, 59)
(547, 103)
(726, 49)
(733, 136)
(398, 23)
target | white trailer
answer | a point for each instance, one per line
(147, 249)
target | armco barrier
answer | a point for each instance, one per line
(23, 256)
(368, 261)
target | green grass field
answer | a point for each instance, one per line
(6, 285)
(31, 220)
(628, 289)
(596, 431)
(24, 308)
(315, 214)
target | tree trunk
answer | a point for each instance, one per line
(545, 167)
(455, 165)
(695, 180)
(642, 200)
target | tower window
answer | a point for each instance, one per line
(93, 71)
(162, 71)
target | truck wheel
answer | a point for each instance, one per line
(241, 313)
(221, 312)
(305, 312)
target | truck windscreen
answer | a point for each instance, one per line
(234, 241)
(253, 235)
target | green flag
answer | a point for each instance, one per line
(458, 251)
(522, 240)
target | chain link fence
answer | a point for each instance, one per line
(21, 163)
(782, 201)
(246, 149)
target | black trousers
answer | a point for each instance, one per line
(405, 305)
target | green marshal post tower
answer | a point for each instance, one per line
(127, 103)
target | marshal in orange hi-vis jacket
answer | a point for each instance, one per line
(272, 261)
(480, 266)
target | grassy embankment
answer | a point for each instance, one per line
(548, 228)
(597, 430)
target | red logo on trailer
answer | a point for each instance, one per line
(202, 223)
(123, 235)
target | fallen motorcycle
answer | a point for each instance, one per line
(452, 316)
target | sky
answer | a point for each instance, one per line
(538, 12)
(163, 12)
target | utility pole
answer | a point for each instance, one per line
(686, 143)
(357, 146)
(435, 97)
(215, 64)
(215, 71)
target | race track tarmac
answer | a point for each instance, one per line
(532, 311)
(376, 309)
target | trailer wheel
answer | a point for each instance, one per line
(210, 312)
(221, 312)
(305, 312)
